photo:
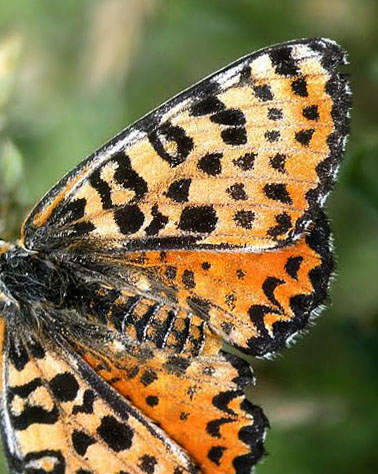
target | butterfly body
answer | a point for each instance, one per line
(199, 224)
(28, 278)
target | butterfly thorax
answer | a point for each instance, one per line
(26, 278)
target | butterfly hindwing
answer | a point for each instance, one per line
(239, 160)
(255, 302)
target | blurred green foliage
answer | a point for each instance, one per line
(89, 68)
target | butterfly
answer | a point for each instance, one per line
(201, 223)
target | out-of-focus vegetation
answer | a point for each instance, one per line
(12, 190)
(72, 74)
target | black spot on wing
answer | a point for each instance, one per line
(263, 93)
(237, 192)
(230, 117)
(277, 162)
(272, 136)
(70, 212)
(152, 400)
(31, 413)
(171, 143)
(149, 376)
(103, 189)
(283, 61)
(129, 219)
(207, 106)
(227, 328)
(311, 112)
(246, 75)
(244, 219)
(257, 313)
(201, 219)
(132, 373)
(246, 162)
(188, 279)
(275, 114)
(277, 192)
(177, 364)
(178, 191)
(215, 454)
(159, 221)
(211, 164)
(283, 225)
(64, 387)
(36, 349)
(292, 266)
(87, 405)
(171, 272)
(81, 442)
(208, 370)
(240, 274)
(299, 87)
(127, 177)
(269, 286)
(147, 464)
(234, 136)
(213, 426)
(230, 299)
(118, 436)
(82, 228)
(223, 400)
(17, 353)
(304, 136)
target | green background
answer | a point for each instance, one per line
(81, 71)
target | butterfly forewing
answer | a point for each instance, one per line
(60, 417)
(239, 160)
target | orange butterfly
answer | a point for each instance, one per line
(200, 223)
